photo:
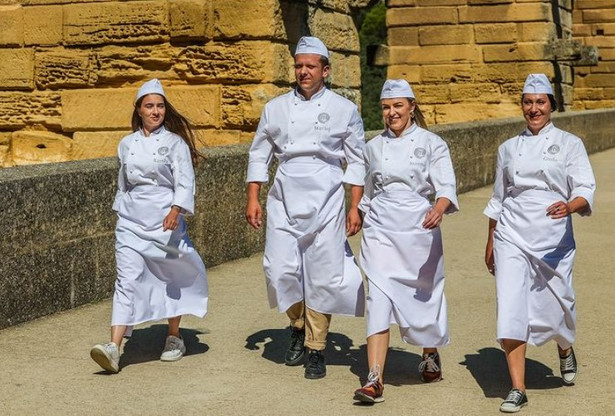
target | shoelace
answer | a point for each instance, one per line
(429, 363)
(568, 363)
(514, 396)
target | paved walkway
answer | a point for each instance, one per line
(234, 364)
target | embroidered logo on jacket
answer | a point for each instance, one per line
(323, 117)
(163, 150)
(420, 152)
(553, 149)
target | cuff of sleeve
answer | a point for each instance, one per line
(493, 210)
(354, 175)
(185, 201)
(257, 172)
(588, 196)
(364, 204)
(451, 196)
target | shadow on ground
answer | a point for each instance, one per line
(401, 366)
(146, 344)
(490, 371)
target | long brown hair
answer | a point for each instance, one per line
(173, 122)
(418, 117)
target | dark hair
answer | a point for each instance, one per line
(324, 61)
(418, 118)
(175, 123)
(552, 101)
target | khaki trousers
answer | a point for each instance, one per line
(316, 325)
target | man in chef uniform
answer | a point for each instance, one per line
(309, 268)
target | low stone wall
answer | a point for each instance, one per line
(57, 245)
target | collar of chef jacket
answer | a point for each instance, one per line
(409, 130)
(544, 130)
(159, 130)
(316, 96)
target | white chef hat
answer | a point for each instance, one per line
(152, 86)
(537, 84)
(396, 88)
(311, 44)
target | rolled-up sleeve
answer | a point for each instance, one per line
(494, 206)
(121, 180)
(580, 176)
(368, 190)
(442, 174)
(183, 178)
(353, 151)
(261, 152)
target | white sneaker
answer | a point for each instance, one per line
(107, 356)
(568, 368)
(174, 349)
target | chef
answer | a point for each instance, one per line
(401, 248)
(309, 268)
(542, 176)
(159, 274)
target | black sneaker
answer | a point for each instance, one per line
(315, 367)
(568, 368)
(296, 350)
(430, 368)
(515, 400)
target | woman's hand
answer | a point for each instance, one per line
(558, 210)
(354, 221)
(171, 221)
(254, 213)
(432, 219)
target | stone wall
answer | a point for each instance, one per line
(594, 25)
(69, 69)
(467, 59)
(57, 227)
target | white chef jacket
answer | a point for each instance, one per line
(306, 254)
(418, 161)
(534, 253)
(287, 129)
(552, 160)
(159, 274)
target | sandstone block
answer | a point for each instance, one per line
(441, 2)
(336, 30)
(516, 12)
(593, 4)
(595, 105)
(259, 19)
(594, 93)
(191, 19)
(115, 22)
(16, 69)
(495, 33)
(599, 80)
(488, 2)
(200, 104)
(607, 54)
(435, 54)
(342, 6)
(411, 73)
(601, 41)
(44, 25)
(401, 3)
(463, 112)
(251, 61)
(530, 51)
(603, 67)
(246, 137)
(403, 36)
(47, 2)
(447, 73)
(345, 70)
(484, 93)
(11, 25)
(599, 16)
(536, 31)
(32, 147)
(408, 16)
(446, 35)
(19, 109)
(242, 105)
(96, 144)
(602, 29)
(431, 94)
(5, 156)
(114, 66)
(61, 68)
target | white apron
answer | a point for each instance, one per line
(404, 265)
(307, 256)
(534, 255)
(155, 279)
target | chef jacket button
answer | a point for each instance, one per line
(313, 157)
(411, 176)
(291, 142)
(519, 154)
(313, 142)
(517, 172)
(132, 153)
(386, 158)
(292, 122)
(154, 153)
(130, 170)
(411, 157)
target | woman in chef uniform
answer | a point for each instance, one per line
(401, 248)
(542, 176)
(159, 274)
